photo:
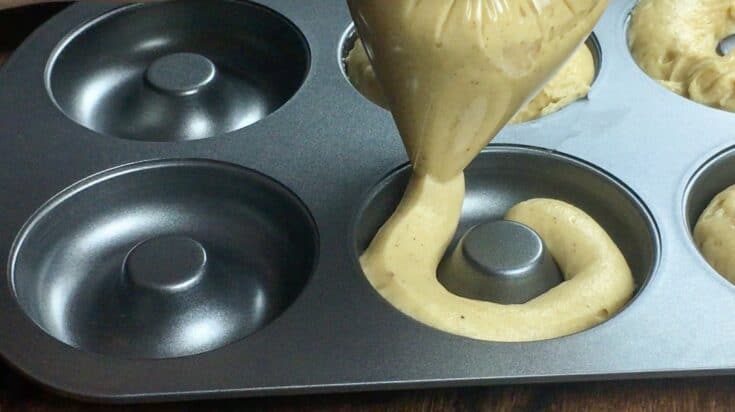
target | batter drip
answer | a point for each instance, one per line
(453, 73)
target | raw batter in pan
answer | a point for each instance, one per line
(676, 41)
(453, 73)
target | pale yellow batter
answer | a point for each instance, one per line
(675, 42)
(714, 233)
(569, 85)
(453, 74)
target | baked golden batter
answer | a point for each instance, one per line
(714, 233)
(453, 73)
(569, 85)
(675, 42)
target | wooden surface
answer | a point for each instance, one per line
(704, 394)
(710, 394)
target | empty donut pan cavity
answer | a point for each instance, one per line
(163, 259)
(178, 71)
(142, 265)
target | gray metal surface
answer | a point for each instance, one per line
(338, 153)
(499, 261)
(178, 71)
(163, 259)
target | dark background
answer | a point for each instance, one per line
(702, 394)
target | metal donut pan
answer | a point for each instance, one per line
(125, 195)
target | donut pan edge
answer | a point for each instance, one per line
(106, 204)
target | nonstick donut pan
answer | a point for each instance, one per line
(187, 186)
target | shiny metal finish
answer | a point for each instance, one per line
(180, 74)
(166, 263)
(500, 261)
(163, 259)
(93, 306)
(726, 45)
(153, 73)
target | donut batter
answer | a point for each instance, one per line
(453, 74)
(569, 85)
(675, 42)
(714, 233)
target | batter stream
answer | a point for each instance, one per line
(453, 73)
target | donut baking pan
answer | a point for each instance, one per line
(187, 187)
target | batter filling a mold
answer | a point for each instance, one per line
(679, 44)
(453, 73)
(714, 233)
(570, 84)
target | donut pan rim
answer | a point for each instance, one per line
(640, 133)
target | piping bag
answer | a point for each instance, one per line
(454, 72)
